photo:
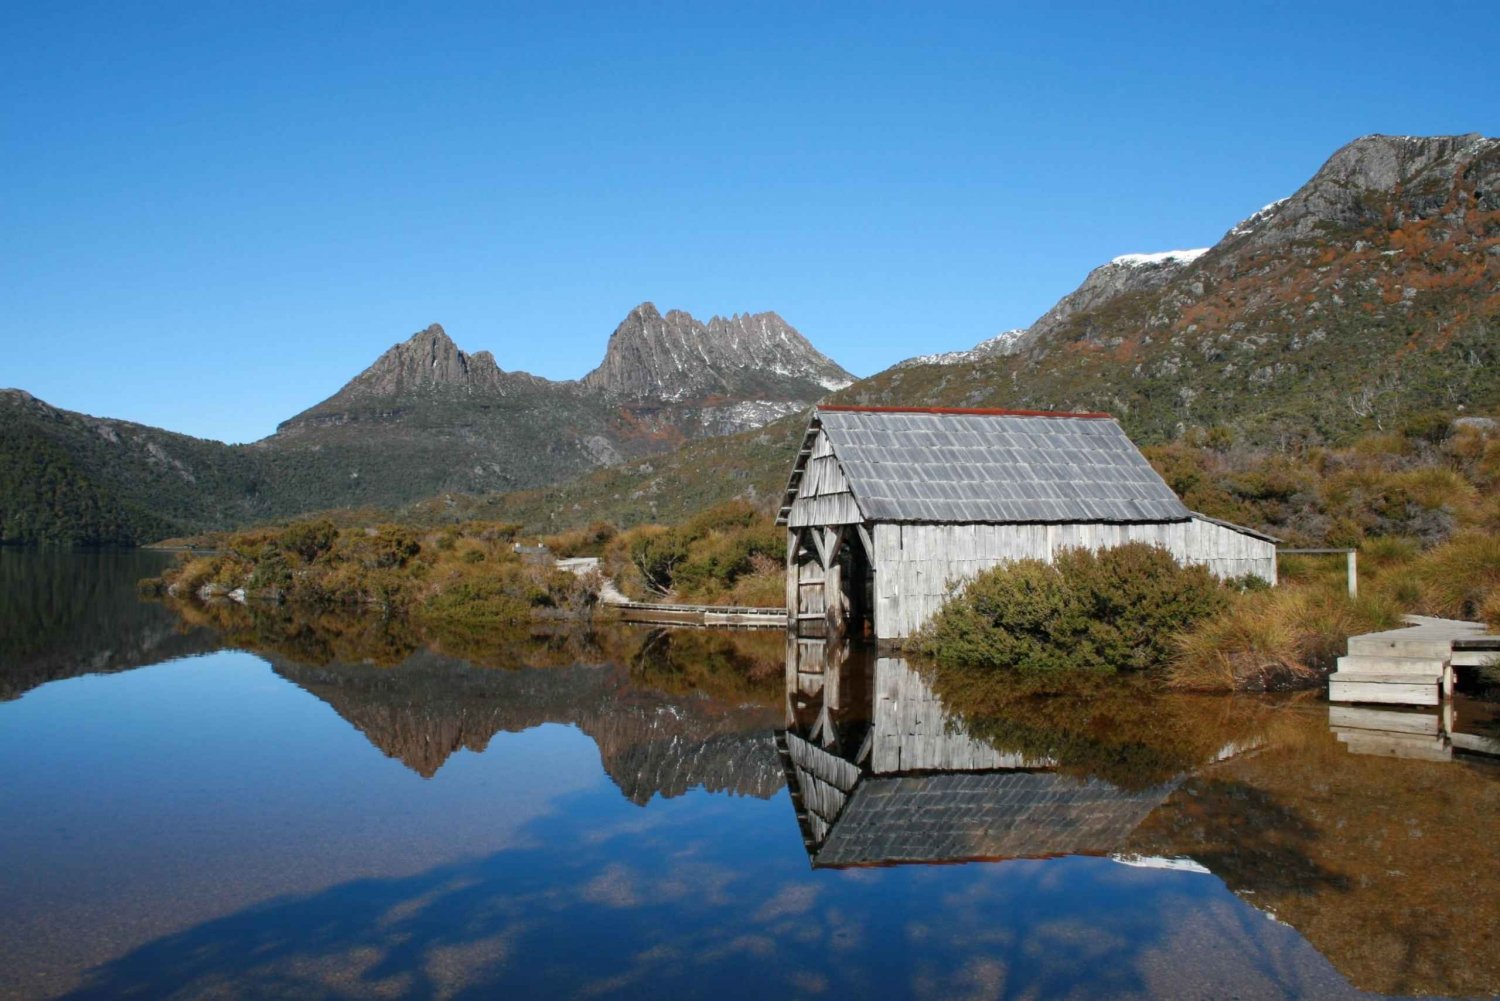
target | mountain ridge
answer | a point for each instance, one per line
(1324, 315)
(425, 417)
(1370, 290)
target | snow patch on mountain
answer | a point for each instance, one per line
(1256, 218)
(1000, 344)
(1163, 257)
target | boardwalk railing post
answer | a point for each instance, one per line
(1353, 573)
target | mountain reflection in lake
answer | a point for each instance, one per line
(335, 806)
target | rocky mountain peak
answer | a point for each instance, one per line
(1124, 274)
(1381, 163)
(427, 364)
(1366, 191)
(677, 357)
(1003, 343)
(1381, 180)
(428, 358)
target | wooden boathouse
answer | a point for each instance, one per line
(885, 507)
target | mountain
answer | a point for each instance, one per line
(68, 477)
(429, 418)
(1369, 296)
(754, 357)
(1004, 343)
(426, 418)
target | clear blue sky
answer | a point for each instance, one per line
(214, 214)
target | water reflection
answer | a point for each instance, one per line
(1422, 734)
(651, 742)
(337, 805)
(66, 613)
(882, 773)
(1388, 865)
(668, 711)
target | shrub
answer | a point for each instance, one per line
(590, 541)
(1490, 612)
(655, 552)
(195, 573)
(308, 539)
(1101, 612)
(706, 559)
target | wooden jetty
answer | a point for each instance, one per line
(1413, 665)
(663, 613)
(738, 616)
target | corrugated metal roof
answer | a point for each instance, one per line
(995, 467)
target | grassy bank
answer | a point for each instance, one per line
(462, 577)
(730, 554)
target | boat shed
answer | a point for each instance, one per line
(886, 507)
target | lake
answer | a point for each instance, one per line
(231, 802)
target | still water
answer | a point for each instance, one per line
(226, 802)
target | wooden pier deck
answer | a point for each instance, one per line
(663, 613)
(700, 615)
(1412, 665)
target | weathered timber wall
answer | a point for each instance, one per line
(914, 564)
(823, 496)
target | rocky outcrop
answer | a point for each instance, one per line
(1380, 181)
(1004, 343)
(425, 366)
(1366, 295)
(673, 358)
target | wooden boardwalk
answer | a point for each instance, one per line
(1413, 665)
(700, 615)
(663, 613)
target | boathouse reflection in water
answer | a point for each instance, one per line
(881, 773)
(1390, 868)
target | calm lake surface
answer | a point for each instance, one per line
(233, 802)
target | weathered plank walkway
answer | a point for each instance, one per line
(1413, 665)
(671, 614)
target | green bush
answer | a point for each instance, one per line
(308, 539)
(1105, 612)
(729, 552)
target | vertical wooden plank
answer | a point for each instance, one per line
(792, 544)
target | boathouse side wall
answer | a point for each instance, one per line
(915, 563)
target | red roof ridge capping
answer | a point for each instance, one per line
(977, 411)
